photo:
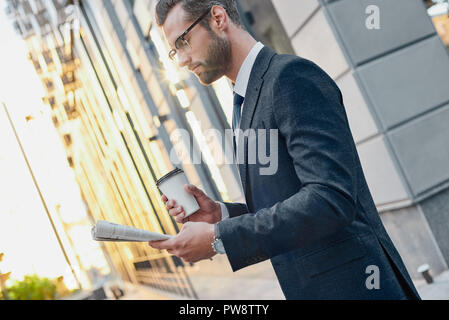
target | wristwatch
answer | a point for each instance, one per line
(217, 245)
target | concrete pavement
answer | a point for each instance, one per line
(214, 280)
(438, 290)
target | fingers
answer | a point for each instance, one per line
(173, 210)
(170, 203)
(177, 211)
(184, 221)
(194, 191)
(169, 245)
(180, 218)
(156, 244)
(161, 245)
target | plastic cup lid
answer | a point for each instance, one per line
(168, 175)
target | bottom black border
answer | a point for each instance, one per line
(172, 309)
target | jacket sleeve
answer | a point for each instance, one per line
(236, 209)
(308, 110)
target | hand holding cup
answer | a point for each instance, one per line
(186, 202)
(210, 211)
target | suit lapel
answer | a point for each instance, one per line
(251, 98)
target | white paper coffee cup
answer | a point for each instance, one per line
(172, 186)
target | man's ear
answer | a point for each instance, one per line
(219, 18)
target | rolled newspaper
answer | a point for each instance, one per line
(108, 231)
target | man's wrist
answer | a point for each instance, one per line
(218, 215)
(216, 232)
(224, 211)
(217, 244)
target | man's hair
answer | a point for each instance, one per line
(195, 8)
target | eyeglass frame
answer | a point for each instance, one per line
(172, 53)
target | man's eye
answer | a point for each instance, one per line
(178, 44)
(183, 43)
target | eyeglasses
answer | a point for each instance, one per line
(181, 43)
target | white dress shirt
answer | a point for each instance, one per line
(241, 83)
(240, 87)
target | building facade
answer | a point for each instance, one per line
(128, 114)
(393, 70)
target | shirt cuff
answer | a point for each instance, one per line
(224, 211)
(219, 243)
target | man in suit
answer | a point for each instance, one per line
(314, 216)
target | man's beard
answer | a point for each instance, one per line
(217, 61)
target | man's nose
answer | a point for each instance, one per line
(183, 59)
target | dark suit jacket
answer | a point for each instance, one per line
(314, 217)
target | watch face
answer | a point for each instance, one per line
(218, 247)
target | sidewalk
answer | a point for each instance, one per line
(142, 292)
(214, 280)
(438, 290)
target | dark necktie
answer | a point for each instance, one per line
(238, 101)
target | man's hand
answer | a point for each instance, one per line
(210, 211)
(192, 244)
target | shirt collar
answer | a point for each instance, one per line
(241, 83)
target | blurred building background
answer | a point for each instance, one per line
(118, 103)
